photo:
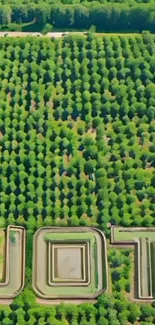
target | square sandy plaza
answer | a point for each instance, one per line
(68, 263)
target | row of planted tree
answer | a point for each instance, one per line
(108, 311)
(77, 131)
(45, 169)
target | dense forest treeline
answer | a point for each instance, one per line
(106, 17)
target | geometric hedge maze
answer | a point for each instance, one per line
(144, 241)
(69, 263)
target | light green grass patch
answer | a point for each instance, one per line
(127, 235)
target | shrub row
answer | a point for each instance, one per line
(106, 17)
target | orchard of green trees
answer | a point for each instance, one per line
(111, 15)
(121, 264)
(77, 131)
(77, 135)
(107, 311)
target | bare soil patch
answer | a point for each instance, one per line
(65, 301)
(6, 301)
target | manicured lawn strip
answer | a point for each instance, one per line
(96, 263)
(126, 235)
(2, 254)
(153, 267)
(69, 235)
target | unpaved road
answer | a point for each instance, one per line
(24, 34)
(65, 301)
(59, 34)
(6, 301)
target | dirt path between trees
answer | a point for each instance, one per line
(6, 301)
(65, 301)
(59, 34)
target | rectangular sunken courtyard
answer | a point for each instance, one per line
(69, 263)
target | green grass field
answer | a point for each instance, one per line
(69, 236)
(127, 235)
(153, 267)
